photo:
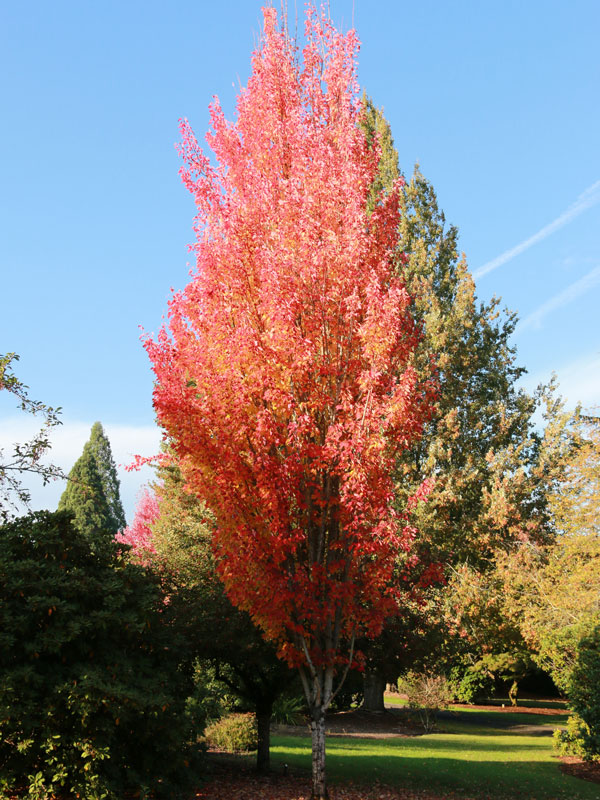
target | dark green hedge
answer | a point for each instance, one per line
(91, 691)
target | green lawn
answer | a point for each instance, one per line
(528, 703)
(560, 705)
(470, 757)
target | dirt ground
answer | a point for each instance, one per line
(392, 722)
(280, 787)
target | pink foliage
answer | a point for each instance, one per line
(138, 535)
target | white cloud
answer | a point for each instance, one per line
(68, 440)
(558, 301)
(578, 380)
(586, 200)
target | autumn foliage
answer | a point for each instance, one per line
(138, 535)
(284, 376)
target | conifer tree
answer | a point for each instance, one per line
(479, 447)
(92, 492)
(100, 447)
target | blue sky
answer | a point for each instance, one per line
(497, 101)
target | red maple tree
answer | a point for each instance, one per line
(284, 377)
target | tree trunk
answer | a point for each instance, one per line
(317, 728)
(373, 689)
(263, 724)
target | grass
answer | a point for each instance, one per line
(529, 703)
(470, 757)
(490, 722)
(560, 705)
(503, 718)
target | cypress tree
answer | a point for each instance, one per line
(100, 447)
(482, 430)
(92, 493)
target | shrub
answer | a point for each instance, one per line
(288, 710)
(236, 733)
(427, 694)
(468, 685)
(583, 690)
(570, 742)
(91, 693)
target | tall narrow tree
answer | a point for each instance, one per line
(92, 492)
(285, 378)
(101, 450)
(480, 444)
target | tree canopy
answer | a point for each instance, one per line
(285, 379)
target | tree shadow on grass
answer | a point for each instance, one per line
(425, 763)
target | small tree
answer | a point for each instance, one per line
(286, 380)
(427, 695)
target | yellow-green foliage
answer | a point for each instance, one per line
(553, 591)
(569, 742)
(236, 733)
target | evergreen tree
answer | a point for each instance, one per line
(100, 447)
(377, 129)
(480, 447)
(92, 492)
(481, 442)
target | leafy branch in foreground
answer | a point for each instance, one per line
(26, 457)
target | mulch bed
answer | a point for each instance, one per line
(586, 770)
(393, 722)
(249, 786)
(518, 709)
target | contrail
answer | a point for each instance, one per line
(559, 300)
(586, 200)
